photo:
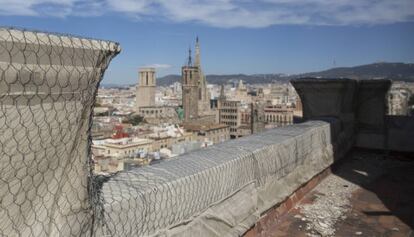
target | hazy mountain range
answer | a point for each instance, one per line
(393, 71)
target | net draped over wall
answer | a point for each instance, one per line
(48, 84)
(217, 191)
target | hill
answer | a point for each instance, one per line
(393, 71)
(168, 80)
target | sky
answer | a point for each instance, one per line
(236, 36)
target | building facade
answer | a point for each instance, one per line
(209, 134)
(127, 147)
(159, 114)
(278, 115)
(398, 97)
(161, 142)
(230, 114)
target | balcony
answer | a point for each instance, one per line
(240, 187)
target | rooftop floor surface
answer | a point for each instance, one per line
(367, 194)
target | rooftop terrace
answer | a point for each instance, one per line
(367, 194)
(48, 85)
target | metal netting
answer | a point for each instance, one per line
(189, 195)
(48, 84)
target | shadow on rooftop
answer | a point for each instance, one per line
(390, 176)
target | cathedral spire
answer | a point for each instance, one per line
(222, 96)
(197, 54)
(190, 61)
(240, 86)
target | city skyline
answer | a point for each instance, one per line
(159, 34)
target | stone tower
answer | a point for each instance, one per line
(146, 88)
(190, 79)
(196, 97)
(222, 96)
(203, 94)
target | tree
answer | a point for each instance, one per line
(135, 119)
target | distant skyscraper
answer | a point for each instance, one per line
(146, 88)
(195, 96)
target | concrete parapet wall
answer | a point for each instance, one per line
(327, 97)
(334, 101)
(360, 110)
(371, 112)
(47, 90)
(218, 191)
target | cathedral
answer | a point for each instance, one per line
(196, 97)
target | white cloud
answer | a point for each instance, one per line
(159, 66)
(227, 13)
(53, 8)
(131, 6)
